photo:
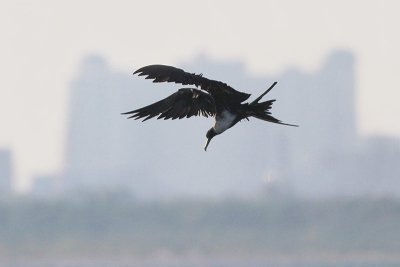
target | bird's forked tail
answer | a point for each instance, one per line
(261, 110)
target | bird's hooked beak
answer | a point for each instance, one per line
(208, 141)
(210, 134)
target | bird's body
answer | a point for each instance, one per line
(224, 121)
(217, 99)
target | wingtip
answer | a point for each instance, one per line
(138, 71)
(294, 125)
(129, 112)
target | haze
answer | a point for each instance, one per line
(43, 43)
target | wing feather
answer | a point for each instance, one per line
(186, 102)
(163, 73)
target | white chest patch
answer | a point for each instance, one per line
(223, 122)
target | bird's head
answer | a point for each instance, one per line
(210, 134)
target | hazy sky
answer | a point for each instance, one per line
(43, 42)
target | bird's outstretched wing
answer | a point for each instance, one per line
(163, 73)
(186, 102)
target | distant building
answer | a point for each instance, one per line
(328, 156)
(5, 171)
(99, 148)
(325, 156)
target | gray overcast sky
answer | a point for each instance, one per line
(42, 43)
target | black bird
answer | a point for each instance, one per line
(218, 100)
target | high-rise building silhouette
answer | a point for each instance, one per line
(99, 154)
(324, 156)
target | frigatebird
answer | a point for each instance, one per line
(217, 100)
